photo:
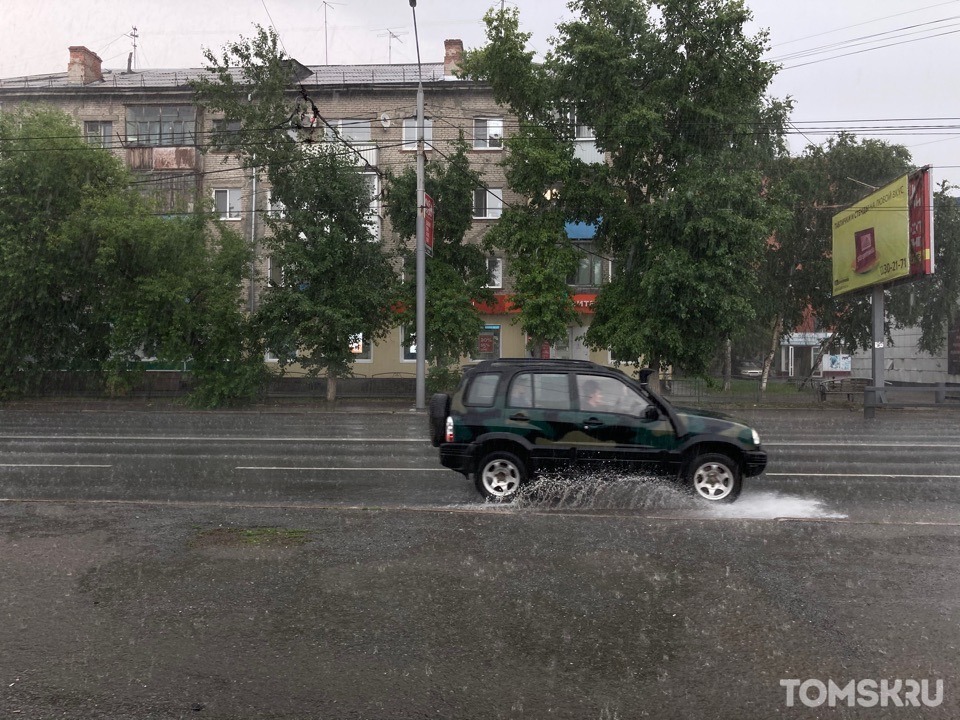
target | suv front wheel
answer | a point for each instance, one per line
(715, 477)
(499, 476)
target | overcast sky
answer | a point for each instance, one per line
(833, 65)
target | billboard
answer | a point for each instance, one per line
(885, 237)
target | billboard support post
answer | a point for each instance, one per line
(878, 396)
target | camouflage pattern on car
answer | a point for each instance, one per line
(502, 439)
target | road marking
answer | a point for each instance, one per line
(192, 438)
(51, 465)
(953, 445)
(859, 475)
(343, 469)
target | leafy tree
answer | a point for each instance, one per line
(457, 274)
(796, 275)
(932, 303)
(91, 278)
(337, 283)
(675, 93)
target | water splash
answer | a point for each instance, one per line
(601, 492)
(768, 505)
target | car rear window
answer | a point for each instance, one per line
(483, 389)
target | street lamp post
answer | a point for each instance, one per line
(421, 335)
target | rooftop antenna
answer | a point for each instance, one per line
(326, 49)
(132, 57)
(391, 36)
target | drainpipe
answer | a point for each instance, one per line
(252, 291)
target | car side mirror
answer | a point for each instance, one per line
(651, 413)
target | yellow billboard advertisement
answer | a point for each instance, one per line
(871, 240)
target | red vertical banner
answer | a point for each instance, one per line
(428, 224)
(920, 199)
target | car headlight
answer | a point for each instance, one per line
(756, 437)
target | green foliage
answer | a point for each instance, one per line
(457, 273)
(796, 275)
(442, 379)
(92, 279)
(933, 302)
(337, 283)
(676, 95)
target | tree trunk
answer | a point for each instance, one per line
(727, 364)
(331, 388)
(768, 359)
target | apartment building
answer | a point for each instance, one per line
(149, 119)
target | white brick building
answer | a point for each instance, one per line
(148, 118)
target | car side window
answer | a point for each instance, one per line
(521, 391)
(483, 389)
(551, 391)
(597, 393)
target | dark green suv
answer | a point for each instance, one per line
(514, 418)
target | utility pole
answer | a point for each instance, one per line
(421, 246)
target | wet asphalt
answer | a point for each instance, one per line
(156, 563)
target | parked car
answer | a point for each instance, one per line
(511, 419)
(749, 370)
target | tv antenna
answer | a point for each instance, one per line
(132, 59)
(326, 49)
(391, 36)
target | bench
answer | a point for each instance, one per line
(848, 386)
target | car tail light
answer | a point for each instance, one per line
(449, 435)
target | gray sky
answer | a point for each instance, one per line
(832, 66)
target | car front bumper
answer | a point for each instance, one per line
(754, 462)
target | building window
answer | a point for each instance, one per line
(579, 130)
(227, 203)
(362, 349)
(225, 133)
(589, 271)
(373, 212)
(409, 344)
(161, 125)
(495, 272)
(274, 273)
(98, 133)
(410, 133)
(353, 130)
(275, 208)
(488, 344)
(487, 133)
(487, 204)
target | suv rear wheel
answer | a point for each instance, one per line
(715, 477)
(499, 476)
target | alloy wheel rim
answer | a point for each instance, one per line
(501, 478)
(713, 481)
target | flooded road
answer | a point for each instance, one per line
(822, 464)
(321, 565)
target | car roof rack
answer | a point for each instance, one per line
(552, 362)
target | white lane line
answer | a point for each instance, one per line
(424, 441)
(953, 445)
(343, 469)
(191, 438)
(52, 465)
(859, 475)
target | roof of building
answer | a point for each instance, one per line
(320, 76)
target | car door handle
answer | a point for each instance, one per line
(592, 423)
(519, 417)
